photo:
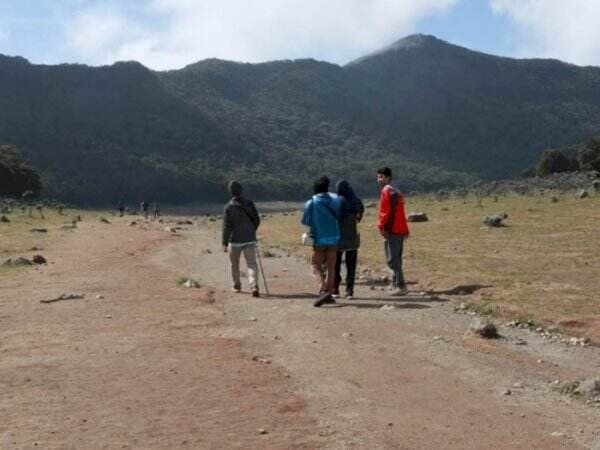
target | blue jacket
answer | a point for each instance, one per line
(322, 214)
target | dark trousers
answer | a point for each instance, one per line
(394, 245)
(351, 259)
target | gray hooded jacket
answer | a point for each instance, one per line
(240, 221)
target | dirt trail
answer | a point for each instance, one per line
(152, 365)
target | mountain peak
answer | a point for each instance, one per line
(411, 42)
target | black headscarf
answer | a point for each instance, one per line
(352, 204)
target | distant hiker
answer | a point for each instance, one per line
(156, 209)
(352, 212)
(322, 214)
(393, 227)
(144, 208)
(240, 222)
(121, 208)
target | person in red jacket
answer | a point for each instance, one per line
(393, 227)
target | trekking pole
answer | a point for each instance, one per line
(262, 270)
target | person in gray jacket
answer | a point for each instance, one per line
(240, 222)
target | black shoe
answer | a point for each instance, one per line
(323, 299)
(255, 293)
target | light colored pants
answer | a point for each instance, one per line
(249, 252)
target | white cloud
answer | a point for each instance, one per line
(241, 30)
(98, 33)
(567, 30)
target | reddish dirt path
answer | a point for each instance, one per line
(152, 365)
(142, 368)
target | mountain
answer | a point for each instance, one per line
(439, 114)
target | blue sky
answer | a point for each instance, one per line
(168, 34)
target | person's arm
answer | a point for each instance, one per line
(360, 212)
(307, 215)
(227, 228)
(384, 211)
(255, 215)
(402, 212)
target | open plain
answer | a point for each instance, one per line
(136, 361)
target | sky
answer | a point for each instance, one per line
(169, 34)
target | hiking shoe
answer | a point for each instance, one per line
(323, 299)
(255, 293)
(399, 292)
(349, 295)
(236, 289)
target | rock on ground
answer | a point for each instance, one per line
(39, 259)
(418, 217)
(589, 388)
(484, 329)
(18, 262)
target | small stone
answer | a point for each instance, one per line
(437, 338)
(262, 431)
(573, 341)
(582, 193)
(103, 220)
(39, 259)
(507, 392)
(589, 388)
(484, 329)
(108, 316)
(191, 284)
(18, 262)
(417, 217)
(4, 219)
(539, 330)
(388, 307)
(540, 361)
(99, 297)
(252, 319)
(347, 335)
(518, 385)
(558, 434)
(520, 341)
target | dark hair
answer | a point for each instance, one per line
(235, 188)
(321, 185)
(385, 171)
(352, 204)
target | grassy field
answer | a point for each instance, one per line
(17, 239)
(544, 265)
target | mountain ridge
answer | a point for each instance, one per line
(440, 114)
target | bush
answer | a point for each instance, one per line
(554, 161)
(16, 177)
(589, 155)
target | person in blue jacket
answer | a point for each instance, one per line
(322, 214)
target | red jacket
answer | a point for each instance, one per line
(399, 225)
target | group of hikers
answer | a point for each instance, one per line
(332, 220)
(144, 207)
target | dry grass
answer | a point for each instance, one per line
(544, 264)
(16, 239)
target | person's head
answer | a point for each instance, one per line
(321, 185)
(384, 176)
(236, 189)
(343, 189)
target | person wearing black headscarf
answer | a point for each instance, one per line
(352, 212)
